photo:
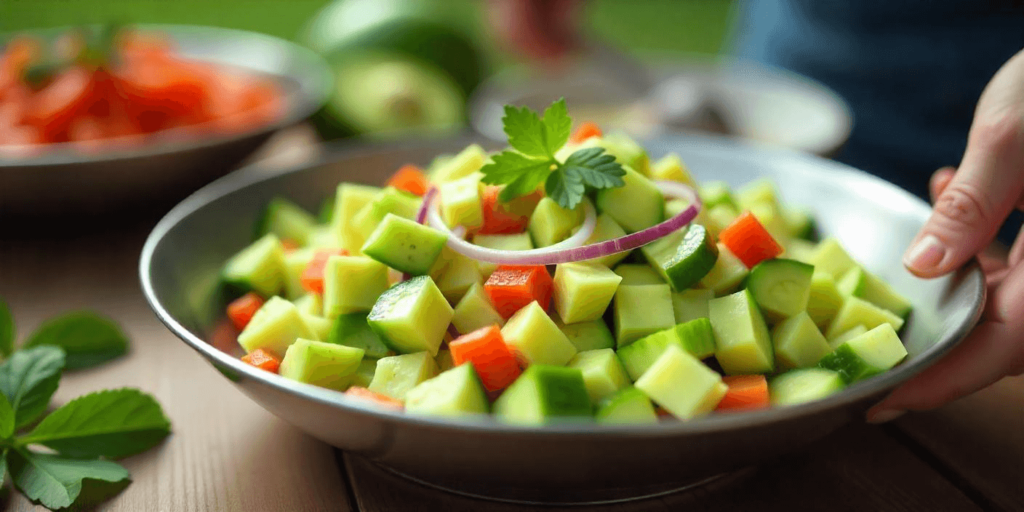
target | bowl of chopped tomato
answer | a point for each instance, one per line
(100, 116)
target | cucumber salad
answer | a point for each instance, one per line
(567, 278)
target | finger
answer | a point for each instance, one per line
(993, 258)
(939, 180)
(1017, 251)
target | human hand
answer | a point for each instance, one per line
(970, 204)
(540, 29)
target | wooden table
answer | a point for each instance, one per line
(226, 453)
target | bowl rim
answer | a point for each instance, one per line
(298, 107)
(716, 423)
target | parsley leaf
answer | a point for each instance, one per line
(57, 482)
(557, 126)
(565, 188)
(526, 132)
(6, 330)
(88, 339)
(595, 167)
(521, 173)
(6, 419)
(28, 379)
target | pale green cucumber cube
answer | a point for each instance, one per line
(858, 282)
(866, 355)
(697, 337)
(771, 218)
(411, 316)
(642, 310)
(603, 374)
(310, 303)
(348, 200)
(803, 385)
(714, 193)
(719, 217)
(295, 263)
(672, 168)
(353, 330)
(286, 220)
(607, 229)
(458, 276)
(475, 311)
(847, 336)
(743, 344)
(682, 385)
(674, 207)
(535, 339)
(629, 406)
(364, 373)
(727, 274)
(320, 326)
(829, 256)
(550, 223)
(352, 283)
(636, 206)
(824, 300)
(275, 326)
(781, 287)
(638, 274)
(625, 150)
(323, 237)
(389, 200)
(798, 342)
(396, 375)
(591, 335)
(856, 311)
(544, 393)
(683, 257)
(582, 291)
(405, 245)
(800, 223)
(453, 393)
(322, 364)
(259, 267)
(801, 250)
(516, 242)
(460, 202)
(761, 191)
(691, 304)
(466, 162)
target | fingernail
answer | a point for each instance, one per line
(925, 255)
(885, 415)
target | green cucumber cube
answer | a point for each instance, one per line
(683, 257)
(453, 393)
(544, 393)
(603, 374)
(582, 291)
(259, 268)
(824, 300)
(801, 250)
(803, 385)
(475, 311)
(847, 336)
(695, 337)
(516, 242)
(859, 311)
(396, 375)
(672, 168)
(461, 202)
(714, 193)
(691, 304)
(295, 263)
(352, 283)
(869, 354)
(467, 162)
(771, 218)
(638, 274)
(682, 385)
(411, 316)
(674, 207)
(628, 406)
(607, 229)
(780, 287)
(798, 342)
(310, 304)
(761, 191)
(550, 223)
(364, 373)
(389, 200)
(405, 245)
(535, 339)
(626, 151)
(642, 310)
(459, 275)
(719, 217)
(286, 220)
(352, 330)
(636, 206)
(275, 326)
(591, 335)
(348, 201)
(727, 274)
(744, 345)
(830, 257)
(858, 282)
(322, 364)
(800, 222)
(320, 326)
(324, 237)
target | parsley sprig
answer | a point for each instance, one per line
(83, 434)
(535, 140)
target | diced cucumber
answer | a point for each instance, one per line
(458, 276)
(582, 291)
(295, 263)
(719, 217)
(714, 193)
(310, 304)
(516, 242)
(348, 201)
(637, 274)
(727, 274)
(286, 220)
(389, 200)
(411, 316)
(396, 375)
(320, 326)
(456, 392)
(683, 257)
(800, 222)
(641, 310)
(323, 237)
(743, 344)
(691, 304)
(858, 282)
(800, 250)
(460, 202)
(866, 355)
(771, 218)
(856, 311)
(352, 283)
(444, 360)
(780, 287)
(637, 205)
(672, 168)
(322, 364)
(603, 374)
(466, 162)
(544, 393)
(258, 268)
(326, 210)
(824, 300)
(352, 330)
(626, 151)
(798, 342)
(364, 373)
(591, 335)
(535, 339)
(550, 223)
(682, 385)
(627, 406)
(275, 326)
(803, 385)
(695, 337)
(674, 207)
(405, 245)
(475, 311)
(607, 229)
(761, 191)
(847, 336)
(829, 256)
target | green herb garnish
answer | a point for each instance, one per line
(535, 140)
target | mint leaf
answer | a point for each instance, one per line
(112, 424)
(595, 167)
(557, 126)
(28, 380)
(88, 339)
(57, 482)
(564, 188)
(521, 174)
(525, 131)
(6, 420)
(6, 330)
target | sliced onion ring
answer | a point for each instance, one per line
(569, 249)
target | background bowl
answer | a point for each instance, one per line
(875, 220)
(61, 180)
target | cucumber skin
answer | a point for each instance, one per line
(763, 272)
(850, 367)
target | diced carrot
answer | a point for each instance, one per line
(263, 360)
(53, 108)
(662, 413)
(17, 55)
(507, 218)
(313, 275)
(289, 245)
(241, 310)
(585, 131)
(749, 240)
(379, 399)
(486, 350)
(745, 392)
(410, 179)
(511, 287)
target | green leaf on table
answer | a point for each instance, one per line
(521, 174)
(565, 188)
(6, 419)
(57, 482)
(595, 167)
(6, 330)
(28, 379)
(88, 339)
(113, 424)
